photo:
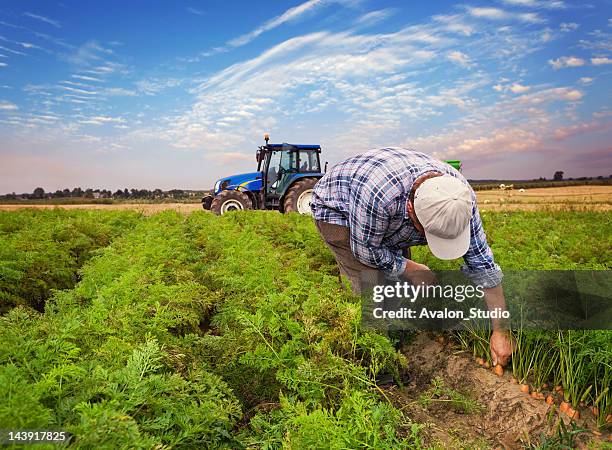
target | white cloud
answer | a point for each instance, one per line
(518, 88)
(600, 61)
(8, 106)
(547, 35)
(501, 14)
(459, 57)
(101, 120)
(546, 4)
(152, 86)
(374, 17)
(86, 78)
(3, 64)
(92, 52)
(44, 19)
(586, 80)
(455, 23)
(566, 61)
(566, 94)
(14, 52)
(568, 26)
(197, 12)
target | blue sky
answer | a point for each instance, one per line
(177, 94)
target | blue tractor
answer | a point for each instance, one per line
(286, 174)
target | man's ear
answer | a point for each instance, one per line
(410, 207)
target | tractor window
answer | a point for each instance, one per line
(309, 162)
(281, 162)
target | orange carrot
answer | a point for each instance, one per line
(499, 370)
(524, 388)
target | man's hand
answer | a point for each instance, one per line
(419, 273)
(502, 346)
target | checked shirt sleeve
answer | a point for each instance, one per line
(479, 265)
(368, 221)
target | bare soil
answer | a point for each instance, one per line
(505, 418)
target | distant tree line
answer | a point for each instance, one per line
(77, 192)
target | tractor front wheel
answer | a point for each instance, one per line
(227, 201)
(299, 196)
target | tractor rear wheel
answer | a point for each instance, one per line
(299, 196)
(227, 201)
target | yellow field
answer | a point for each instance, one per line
(583, 198)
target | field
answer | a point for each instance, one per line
(582, 198)
(172, 330)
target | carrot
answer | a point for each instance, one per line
(558, 388)
(499, 370)
(550, 400)
(572, 413)
(479, 361)
(513, 380)
(564, 406)
(524, 388)
(595, 410)
(609, 418)
(487, 364)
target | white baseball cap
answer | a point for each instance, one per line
(443, 205)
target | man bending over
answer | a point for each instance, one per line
(371, 208)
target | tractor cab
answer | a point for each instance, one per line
(281, 165)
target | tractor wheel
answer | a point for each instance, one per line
(299, 196)
(206, 202)
(227, 201)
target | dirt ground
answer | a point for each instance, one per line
(590, 198)
(497, 415)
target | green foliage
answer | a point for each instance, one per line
(204, 332)
(42, 250)
(442, 394)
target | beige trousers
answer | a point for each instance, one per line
(337, 239)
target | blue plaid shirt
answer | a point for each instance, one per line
(368, 193)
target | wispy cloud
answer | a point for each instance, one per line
(501, 14)
(102, 120)
(10, 50)
(86, 78)
(459, 58)
(290, 15)
(545, 4)
(375, 17)
(518, 88)
(197, 12)
(3, 64)
(566, 61)
(8, 106)
(568, 26)
(91, 52)
(600, 61)
(44, 19)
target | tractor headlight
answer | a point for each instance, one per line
(217, 185)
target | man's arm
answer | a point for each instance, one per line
(481, 268)
(501, 340)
